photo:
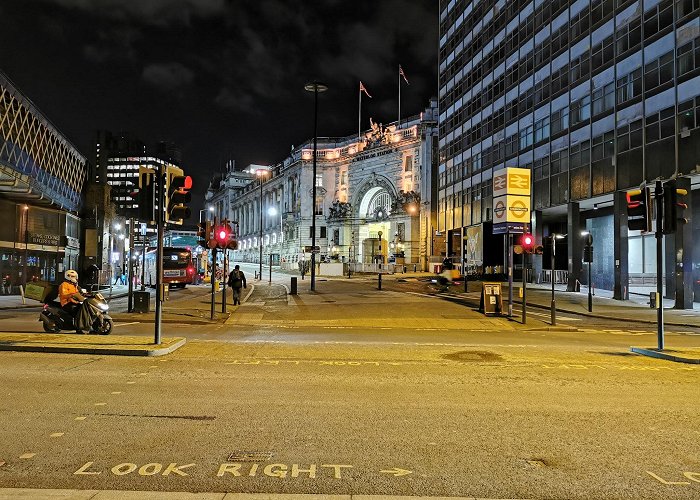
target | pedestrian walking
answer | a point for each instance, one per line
(117, 274)
(236, 280)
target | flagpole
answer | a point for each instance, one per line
(359, 119)
(398, 122)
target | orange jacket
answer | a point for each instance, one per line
(66, 291)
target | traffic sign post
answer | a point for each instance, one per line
(511, 215)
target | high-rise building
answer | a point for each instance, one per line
(594, 97)
(117, 161)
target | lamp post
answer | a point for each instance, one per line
(261, 173)
(314, 87)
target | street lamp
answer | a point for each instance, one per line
(261, 173)
(314, 87)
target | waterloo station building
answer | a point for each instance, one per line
(375, 202)
(42, 176)
(595, 97)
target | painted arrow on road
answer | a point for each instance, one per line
(397, 472)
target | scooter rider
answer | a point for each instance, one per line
(67, 292)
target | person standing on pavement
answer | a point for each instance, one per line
(235, 280)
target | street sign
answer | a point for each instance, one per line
(510, 227)
(511, 181)
(509, 208)
(310, 249)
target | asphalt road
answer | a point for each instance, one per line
(327, 410)
(451, 419)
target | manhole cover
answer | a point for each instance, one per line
(468, 356)
(250, 456)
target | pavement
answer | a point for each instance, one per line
(88, 344)
(400, 304)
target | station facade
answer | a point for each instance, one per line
(373, 205)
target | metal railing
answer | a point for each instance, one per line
(560, 277)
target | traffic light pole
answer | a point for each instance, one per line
(659, 194)
(130, 306)
(524, 287)
(223, 288)
(552, 260)
(213, 273)
(159, 252)
(510, 275)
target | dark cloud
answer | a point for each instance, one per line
(167, 76)
(237, 69)
(157, 12)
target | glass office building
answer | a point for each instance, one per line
(594, 97)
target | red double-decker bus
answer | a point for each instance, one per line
(178, 267)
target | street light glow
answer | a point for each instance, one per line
(272, 211)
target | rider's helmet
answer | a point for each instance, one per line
(72, 275)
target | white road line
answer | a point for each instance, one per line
(563, 318)
(125, 324)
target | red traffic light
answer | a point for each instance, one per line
(527, 239)
(222, 234)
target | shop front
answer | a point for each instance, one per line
(38, 244)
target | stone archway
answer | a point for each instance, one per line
(368, 190)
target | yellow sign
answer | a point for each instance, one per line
(511, 209)
(511, 181)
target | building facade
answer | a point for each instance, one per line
(594, 97)
(373, 200)
(41, 180)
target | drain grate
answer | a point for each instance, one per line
(250, 456)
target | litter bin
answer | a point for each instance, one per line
(293, 286)
(142, 302)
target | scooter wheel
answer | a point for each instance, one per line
(106, 327)
(49, 329)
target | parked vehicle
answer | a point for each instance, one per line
(178, 267)
(55, 318)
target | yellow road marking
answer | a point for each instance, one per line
(57, 434)
(80, 418)
(27, 455)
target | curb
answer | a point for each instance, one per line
(188, 320)
(66, 494)
(653, 353)
(113, 351)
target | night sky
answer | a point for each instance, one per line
(222, 79)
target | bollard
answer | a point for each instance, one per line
(293, 286)
(379, 281)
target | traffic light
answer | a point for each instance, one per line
(221, 235)
(674, 207)
(588, 248)
(639, 210)
(177, 195)
(203, 231)
(146, 195)
(527, 242)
